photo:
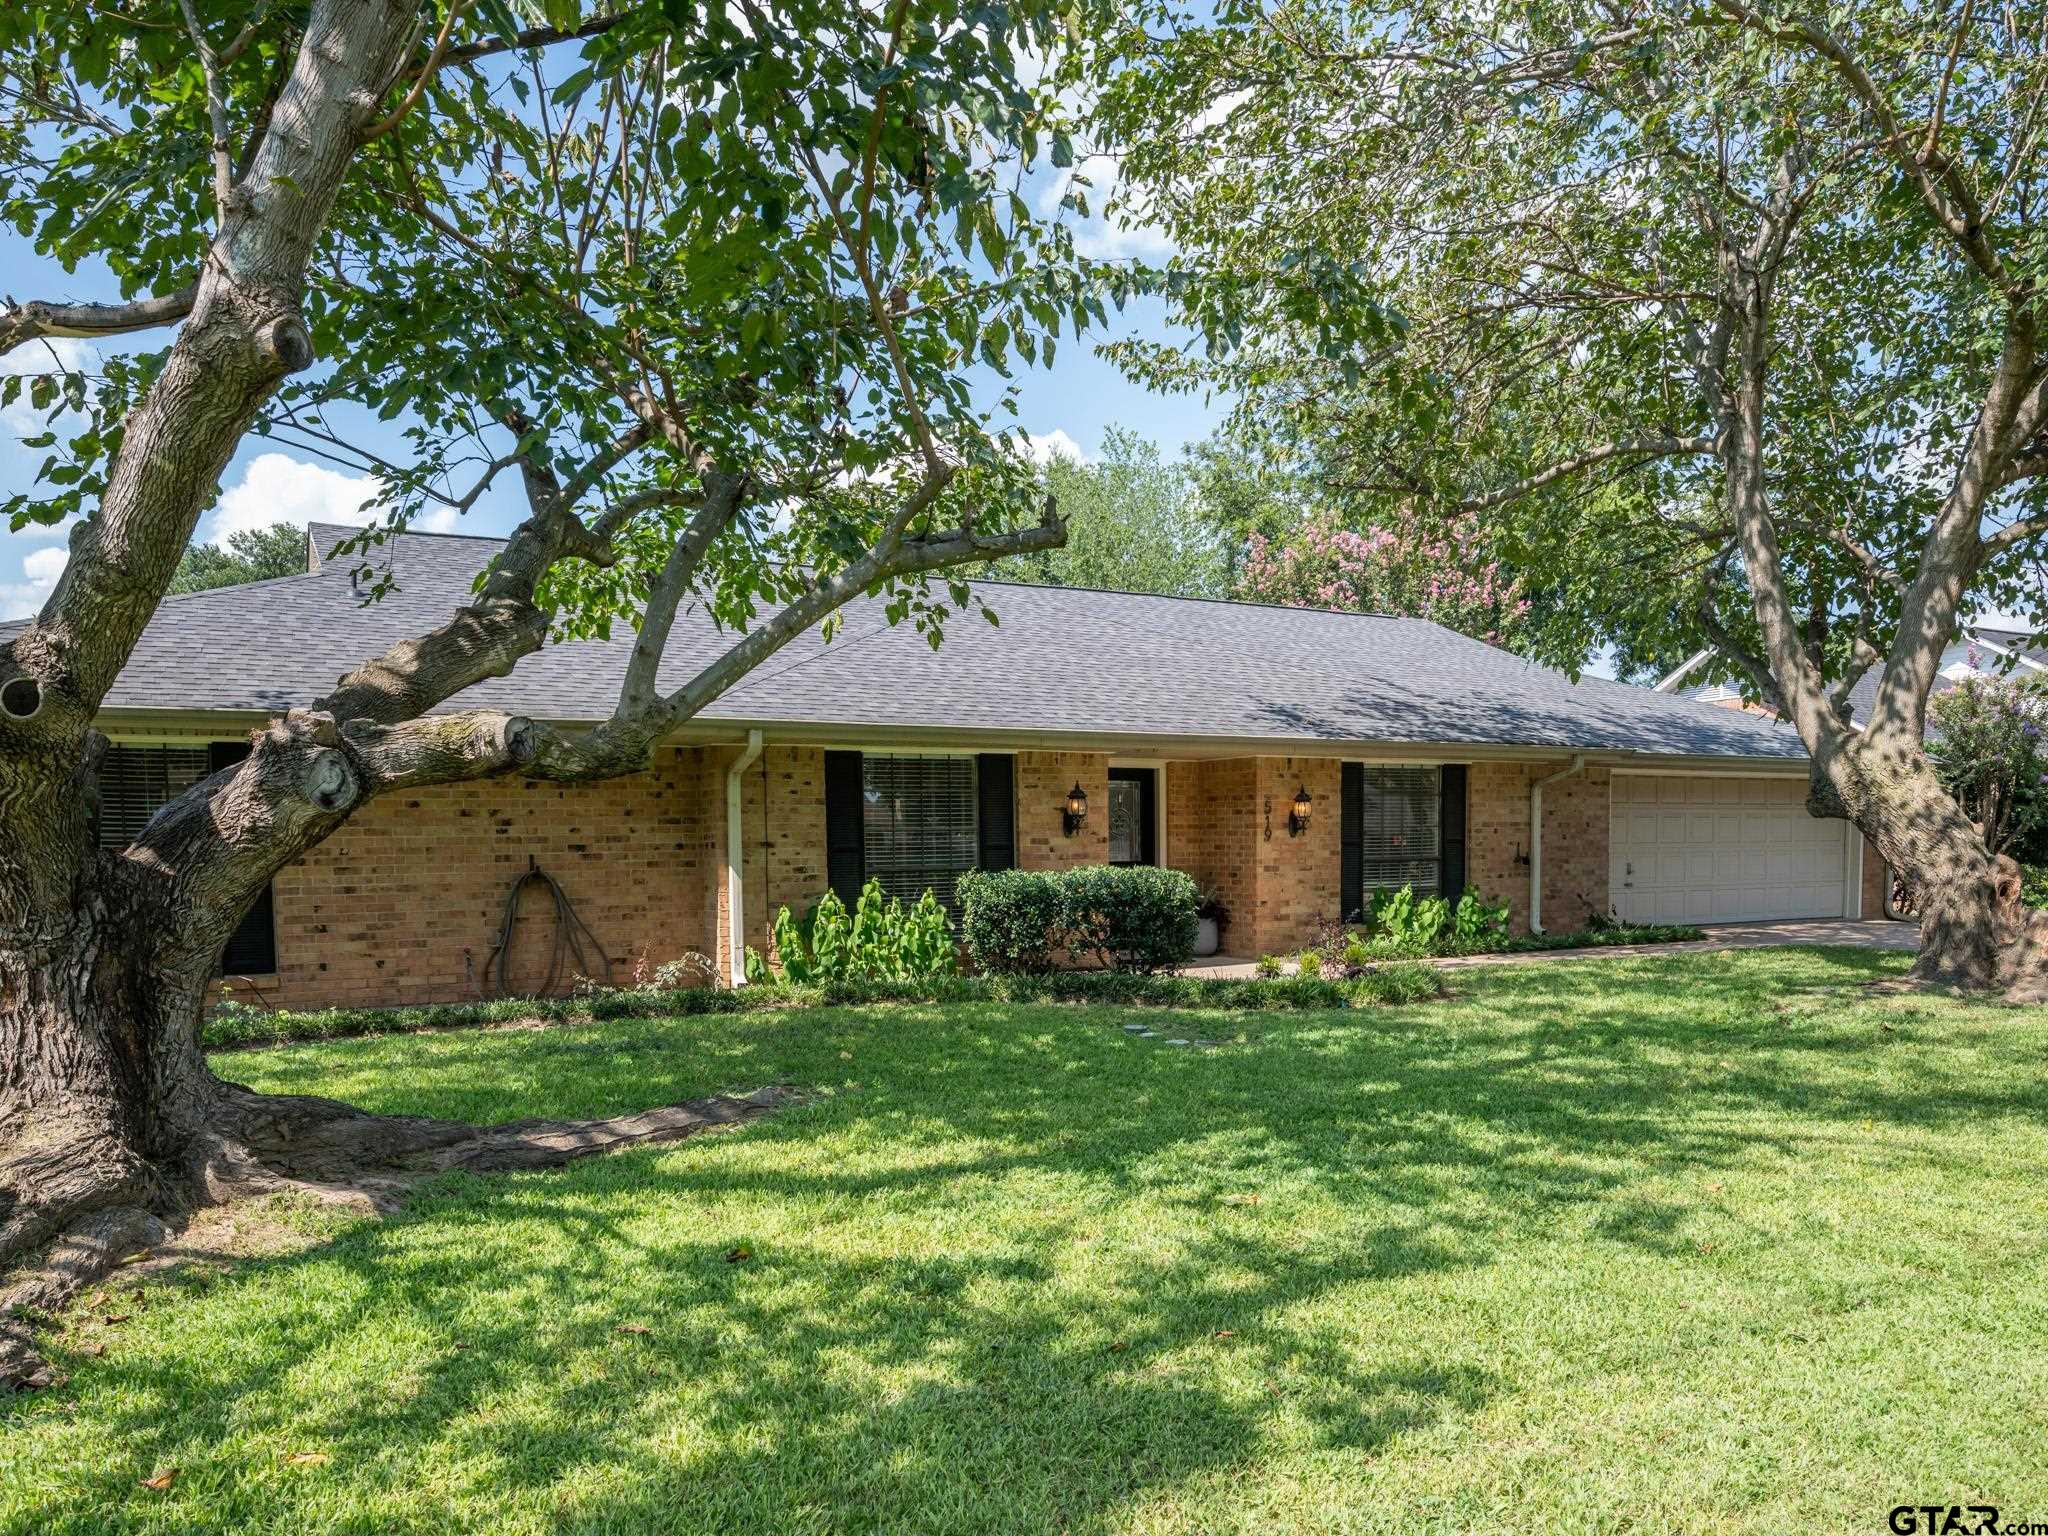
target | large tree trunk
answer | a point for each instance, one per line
(1971, 932)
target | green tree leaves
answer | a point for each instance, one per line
(1441, 249)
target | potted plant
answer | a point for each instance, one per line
(1212, 917)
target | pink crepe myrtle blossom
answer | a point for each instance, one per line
(1430, 572)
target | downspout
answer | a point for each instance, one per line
(1536, 838)
(735, 909)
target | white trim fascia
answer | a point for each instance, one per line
(1799, 771)
(1669, 682)
(2001, 650)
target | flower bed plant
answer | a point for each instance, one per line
(1402, 926)
(880, 940)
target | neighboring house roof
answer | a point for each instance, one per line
(1982, 651)
(1063, 663)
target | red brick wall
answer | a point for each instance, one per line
(783, 827)
(1043, 779)
(1299, 879)
(782, 839)
(402, 905)
(1575, 862)
(1211, 834)
(1576, 867)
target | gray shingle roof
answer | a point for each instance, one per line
(1063, 662)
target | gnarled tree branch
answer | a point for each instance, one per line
(21, 323)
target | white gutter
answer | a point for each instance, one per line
(735, 909)
(1536, 839)
(1669, 682)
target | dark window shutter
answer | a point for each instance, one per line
(996, 789)
(1451, 819)
(845, 826)
(252, 947)
(1351, 819)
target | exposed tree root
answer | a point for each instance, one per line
(270, 1144)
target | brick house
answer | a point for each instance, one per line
(1292, 760)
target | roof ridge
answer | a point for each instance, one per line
(407, 532)
(984, 581)
(1193, 597)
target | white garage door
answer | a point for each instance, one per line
(1716, 850)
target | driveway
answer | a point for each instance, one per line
(1878, 934)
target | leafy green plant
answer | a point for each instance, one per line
(793, 948)
(1132, 919)
(880, 940)
(1012, 920)
(831, 939)
(1475, 921)
(1991, 753)
(1408, 925)
(926, 945)
(1266, 966)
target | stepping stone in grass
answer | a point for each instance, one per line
(1134, 1029)
(1176, 1042)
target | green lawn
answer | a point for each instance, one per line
(1720, 1243)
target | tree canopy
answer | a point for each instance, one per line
(248, 554)
(621, 249)
(1482, 254)
(1724, 319)
(1135, 523)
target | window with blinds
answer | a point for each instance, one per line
(1400, 838)
(137, 782)
(919, 824)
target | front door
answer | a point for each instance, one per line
(1134, 815)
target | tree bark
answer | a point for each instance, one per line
(1883, 783)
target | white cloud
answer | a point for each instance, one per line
(277, 488)
(1118, 226)
(40, 568)
(72, 355)
(1043, 448)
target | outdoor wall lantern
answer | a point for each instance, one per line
(1297, 820)
(1077, 808)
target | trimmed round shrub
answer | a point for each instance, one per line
(1140, 918)
(1012, 920)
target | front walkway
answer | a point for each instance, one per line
(1877, 934)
